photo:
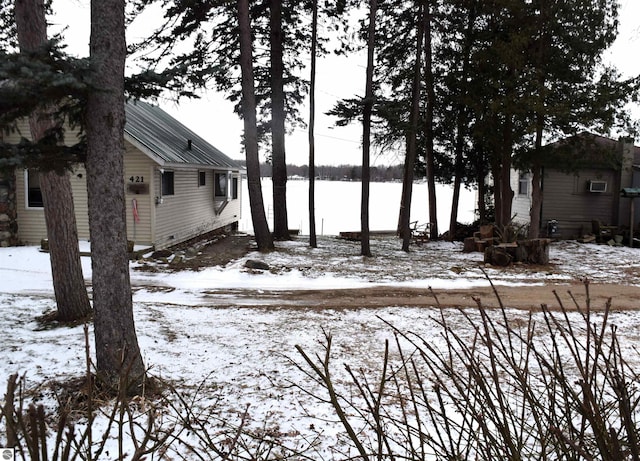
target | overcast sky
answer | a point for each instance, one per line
(212, 116)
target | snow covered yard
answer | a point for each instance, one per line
(227, 357)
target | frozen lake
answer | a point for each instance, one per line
(338, 205)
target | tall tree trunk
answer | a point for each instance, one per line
(505, 171)
(461, 125)
(263, 237)
(536, 167)
(118, 358)
(536, 182)
(313, 242)
(497, 187)
(410, 160)
(431, 99)
(482, 193)
(457, 179)
(68, 282)
(278, 158)
(365, 248)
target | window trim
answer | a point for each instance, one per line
(202, 178)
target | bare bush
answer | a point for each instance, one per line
(91, 423)
(555, 387)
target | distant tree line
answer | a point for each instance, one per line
(339, 172)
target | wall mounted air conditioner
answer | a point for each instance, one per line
(597, 186)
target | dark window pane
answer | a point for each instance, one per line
(167, 183)
(34, 193)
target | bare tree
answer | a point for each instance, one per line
(263, 237)
(68, 282)
(117, 351)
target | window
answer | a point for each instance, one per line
(167, 183)
(202, 178)
(234, 188)
(220, 185)
(523, 184)
(34, 193)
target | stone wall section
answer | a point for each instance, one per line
(8, 210)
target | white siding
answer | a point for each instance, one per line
(31, 224)
(191, 211)
(139, 174)
(521, 205)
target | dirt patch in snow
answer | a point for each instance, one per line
(537, 290)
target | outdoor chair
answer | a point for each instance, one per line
(603, 233)
(419, 232)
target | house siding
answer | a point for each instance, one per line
(31, 222)
(577, 206)
(191, 211)
(521, 205)
(139, 176)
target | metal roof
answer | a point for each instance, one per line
(168, 141)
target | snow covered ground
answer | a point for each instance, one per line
(229, 357)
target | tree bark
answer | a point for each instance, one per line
(278, 157)
(118, 358)
(536, 167)
(263, 237)
(481, 174)
(505, 171)
(313, 241)
(536, 182)
(365, 248)
(461, 125)
(410, 160)
(71, 295)
(431, 98)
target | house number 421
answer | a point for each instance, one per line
(136, 179)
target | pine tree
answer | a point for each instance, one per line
(117, 351)
(365, 246)
(313, 241)
(68, 282)
(260, 226)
